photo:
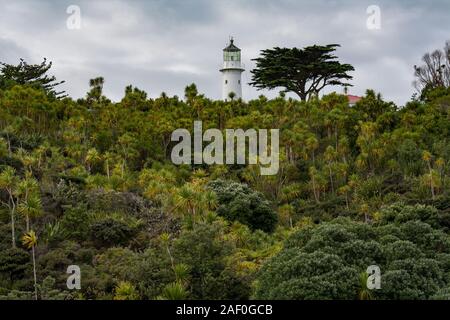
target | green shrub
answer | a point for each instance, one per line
(325, 262)
(110, 232)
(237, 202)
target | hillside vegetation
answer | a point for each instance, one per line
(90, 183)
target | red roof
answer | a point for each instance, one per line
(353, 99)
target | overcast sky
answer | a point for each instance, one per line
(165, 45)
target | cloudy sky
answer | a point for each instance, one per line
(161, 45)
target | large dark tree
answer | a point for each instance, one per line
(302, 71)
(34, 75)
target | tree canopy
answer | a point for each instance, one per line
(304, 72)
(435, 72)
(34, 75)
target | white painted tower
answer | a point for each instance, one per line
(231, 72)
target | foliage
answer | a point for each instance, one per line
(110, 232)
(14, 263)
(29, 74)
(326, 262)
(237, 202)
(90, 182)
(435, 72)
(75, 223)
(302, 71)
(125, 291)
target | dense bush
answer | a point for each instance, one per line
(75, 223)
(325, 262)
(110, 232)
(14, 263)
(401, 213)
(237, 202)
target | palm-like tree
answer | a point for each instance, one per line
(173, 291)
(426, 156)
(365, 209)
(96, 89)
(157, 185)
(312, 144)
(181, 271)
(177, 289)
(28, 160)
(286, 212)
(30, 208)
(210, 200)
(92, 157)
(194, 200)
(345, 190)
(29, 240)
(125, 291)
(39, 153)
(165, 240)
(329, 156)
(364, 292)
(3, 148)
(313, 173)
(8, 182)
(108, 157)
(239, 234)
(440, 163)
(187, 200)
(9, 130)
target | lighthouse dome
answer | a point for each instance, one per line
(231, 47)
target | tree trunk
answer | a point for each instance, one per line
(346, 200)
(170, 256)
(331, 178)
(336, 137)
(13, 220)
(34, 274)
(314, 189)
(193, 211)
(431, 181)
(9, 144)
(302, 96)
(13, 229)
(107, 169)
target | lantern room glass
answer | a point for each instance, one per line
(231, 56)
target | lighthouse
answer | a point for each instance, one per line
(231, 72)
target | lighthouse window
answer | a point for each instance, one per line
(226, 81)
(239, 81)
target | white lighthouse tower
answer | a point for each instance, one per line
(231, 72)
